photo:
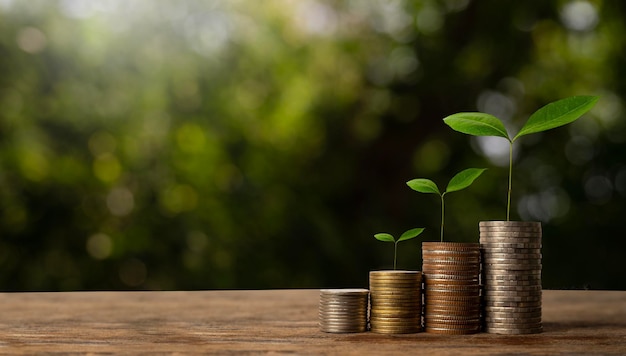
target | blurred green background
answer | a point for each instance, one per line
(243, 144)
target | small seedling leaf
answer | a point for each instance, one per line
(423, 185)
(558, 113)
(477, 124)
(409, 234)
(384, 237)
(464, 179)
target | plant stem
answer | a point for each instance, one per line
(395, 253)
(442, 216)
(508, 200)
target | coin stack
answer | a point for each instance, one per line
(511, 252)
(343, 310)
(451, 287)
(396, 302)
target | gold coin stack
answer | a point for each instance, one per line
(343, 310)
(451, 287)
(396, 302)
(511, 253)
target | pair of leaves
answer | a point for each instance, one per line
(460, 181)
(553, 115)
(407, 235)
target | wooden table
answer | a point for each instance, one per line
(276, 321)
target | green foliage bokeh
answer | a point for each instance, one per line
(241, 144)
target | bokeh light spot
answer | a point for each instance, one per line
(179, 198)
(598, 189)
(120, 201)
(107, 168)
(133, 272)
(31, 40)
(579, 16)
(190, 138)
(99, 246)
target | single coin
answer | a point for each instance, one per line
(512, 309)
(400, 330)
(520, 304)
(474, 312)
(343, 327)
(490, 239)
(442, 245)
(507, 250)
(511, 315)
(509, 223)
(492, 263)
(501, 297)
(485, 246)
(456, 274)
(451, 255)
(349, 303)
(451, 266)
(344, 321)
(511, 268)
(345, 291)
(509, 255)
(510, 234)
(453, 269)
(396, 277)
(508, 276)
(395, 322)
(505, 331)
(483, 232)
(443, 258)
(338, 308)
(513, 288)
(446, 292)
(456, 326)
(398, 288)
(452, 287)
(445, 331)
(508, 325)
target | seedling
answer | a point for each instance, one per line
(553, 115)
(407, 235)
(460, 181)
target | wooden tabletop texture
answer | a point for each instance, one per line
(276, 321)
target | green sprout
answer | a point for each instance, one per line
(553, 115)
(407, 235)
(460, 181)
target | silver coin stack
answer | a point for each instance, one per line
(343, 310)
(511, 276)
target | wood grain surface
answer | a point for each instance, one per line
(276, 321)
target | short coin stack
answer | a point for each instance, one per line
(396, 302)
(511, 276)
(343, 310)
(451, 287)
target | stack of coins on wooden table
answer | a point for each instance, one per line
(511, 252)
(343, 310)
(451, 287)
(396, 302)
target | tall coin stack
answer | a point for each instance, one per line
(396, 302)
(343, 310)
(451, 287)
(511, 276)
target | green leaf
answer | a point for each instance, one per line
(423, 185)
(409, 234)
(557, 114)
(384, 237)
(477, 124)
(464, 179)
